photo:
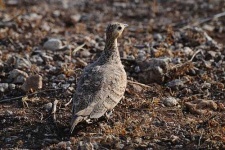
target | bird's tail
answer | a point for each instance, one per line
(75, 120)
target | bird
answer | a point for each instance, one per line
(102, 84)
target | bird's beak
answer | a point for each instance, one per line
(125, 25)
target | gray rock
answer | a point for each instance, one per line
(170, 101)
(175, 84)
(61, 77)
(141, 55)
(65, 86)
(71, 78)
(48, 106)
(4, 87)
(53, 44)
(33, 82)
(12, 86)
(137, 69)
(157, 37)
(17, 76)
(176, 60)
(130, 57)
(153, 70)
(22, 63)
(36, 59)
(178, 146)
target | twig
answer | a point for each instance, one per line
(138, 83)
(78, 48)
(41, 117)
(201, 21)
(54, 108)
(68, 102)
(199, 140)
(14, 98)
(203, 124)
(193, 56)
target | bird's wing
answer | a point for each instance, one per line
(97, 92)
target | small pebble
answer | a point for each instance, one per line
(4, 87)
(48, 106)
(8, 112)
(33, 82)
(53, 44)
(12, 86)
(170, 101)
(36, 59)
(188, 51)
(17, 76)
(22, 63)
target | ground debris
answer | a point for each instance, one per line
(173, 54)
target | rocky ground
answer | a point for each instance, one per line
(173, 54)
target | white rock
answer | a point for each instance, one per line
(4, 87)
(12, 86)
(76, 17)
(208, 27)
(48, 106)
(170, 101)
(188, 51)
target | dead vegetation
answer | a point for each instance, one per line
(173, 54)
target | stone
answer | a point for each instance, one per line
(53, 44)
(33, 82)
(17, 76)
(4, 87)
(48, 107)
(85, 53)
(153, 70)
(12, 86)
(175, 84)
(188, 51)
(170, 101)
(22, 63)
(36, 59)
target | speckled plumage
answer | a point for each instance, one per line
(103, 83)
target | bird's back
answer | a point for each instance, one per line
(100, 88)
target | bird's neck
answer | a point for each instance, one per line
(111, 52)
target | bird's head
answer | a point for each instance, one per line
(115, 29)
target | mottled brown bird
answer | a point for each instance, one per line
(103, 83)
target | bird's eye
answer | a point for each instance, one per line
(119, 28)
